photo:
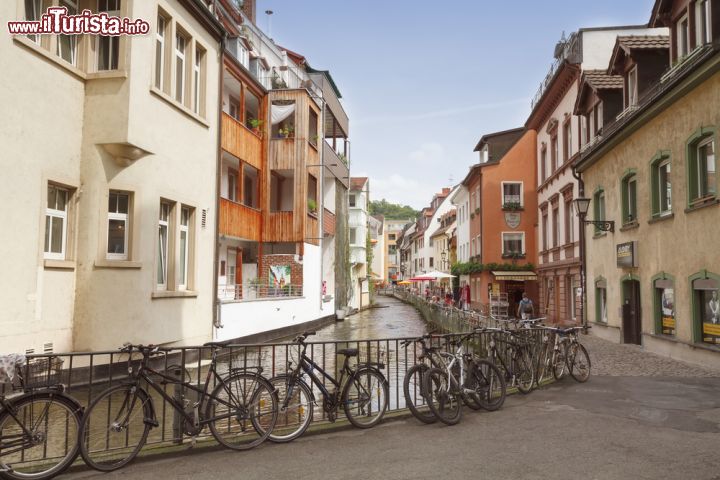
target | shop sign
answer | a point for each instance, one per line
(627, 255)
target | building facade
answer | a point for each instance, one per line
(652, 171)
(359, 201)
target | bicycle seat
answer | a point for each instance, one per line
(348, 352)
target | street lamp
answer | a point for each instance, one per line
(583, 205)
(443, 255)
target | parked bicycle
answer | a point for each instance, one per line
(462, 378)
(38, 422)
(513, 352)
(414, 379)
(240, 411)
(361, 391)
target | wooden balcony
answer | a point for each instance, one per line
(279, 227)
(241, 142)
(328, 223)
(239, 221)
(312, 229)
(284, 152)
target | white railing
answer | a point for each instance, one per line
(253, 291)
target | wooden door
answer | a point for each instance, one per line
(631, 317)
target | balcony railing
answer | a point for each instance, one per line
(566, 50)
(240, 221)
(279, 227)
(238, 140)
(248, 291)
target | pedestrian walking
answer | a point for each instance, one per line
(526, 309)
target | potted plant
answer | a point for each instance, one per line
(312, 206)
(477, 211)
(256, 125)
(472, 215)
(287, 132)
(512, 206)
(343, 158)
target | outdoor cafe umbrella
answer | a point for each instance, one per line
(437, 275)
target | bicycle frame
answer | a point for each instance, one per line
(308, 366)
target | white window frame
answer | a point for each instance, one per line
(632, 83)
(512, 182)
(112, 40)
(73, 38)
(522, 239)
(679, 38)
(125, 218)
(567, 137)
(180, 57)
(556, 240)
(661, 187)
(160, 40)
(243, 54)
(352, 198)
(707, 14)
(54, 213)
(197, 80)
(184, 228)
(163, 254)
(34, 17)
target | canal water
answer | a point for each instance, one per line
(390, 318)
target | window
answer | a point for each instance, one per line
(283, 115)
(543, 163)
(160, 53)
(553, 154)
(243, 54)
(312, 193)
(232, 185)
(569, 222)
(108, 47)
(703, 182)
(703, 28)
(352, 198)
(556, 225)
(180, 42)
(282, 191)
(432, 262)
(118, 225)
(664, 311)
(67, 44)
(567, 141)
(661, 185)
(185, 216)
(629, 199)
(198, 80)
(601, 301)
(512, 194)
(234, 108)
(353, 236)
(513, 244)
(252, 109)
(570, 298)
(313, 128)
(56, 220)
(583, 130)
(251, 186)
(599, 209)
(163, 232)
(544, 230)
(631, 96)
(682, 32)
(33, 12)
(706, 307)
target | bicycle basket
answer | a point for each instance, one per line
(42, 373)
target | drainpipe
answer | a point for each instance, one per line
(321, 208)
(583, 265)
(216, 316)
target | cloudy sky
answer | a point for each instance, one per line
(423, 80)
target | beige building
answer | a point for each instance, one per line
(109, 152)
(654, 278)
(393, 232)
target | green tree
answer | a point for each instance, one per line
(392, 211)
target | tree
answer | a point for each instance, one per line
(392, 211)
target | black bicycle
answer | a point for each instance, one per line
(39, 425)
(362, 391)
(515, 355)
(241, 409)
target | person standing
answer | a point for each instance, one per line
(526, 309)
(714, 306)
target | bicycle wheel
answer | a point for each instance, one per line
(365, 398)
(559, 365)
(53, 421)
(442, 400)
(115, 427)
(543, 359)
(490, 388)
(242, 411)
(578, 362)
(468, 395)
(413, 390)
(524, 371)
(297, 415)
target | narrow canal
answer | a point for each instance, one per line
(390, 318)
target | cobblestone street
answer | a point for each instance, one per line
(624, 360)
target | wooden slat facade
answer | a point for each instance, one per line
(241, 142)
(279, 228)
(328, 222)
(312, 230)
(239, 221)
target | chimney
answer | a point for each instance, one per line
(248, 8)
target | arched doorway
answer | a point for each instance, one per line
(631, 313)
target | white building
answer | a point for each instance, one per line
(376, 223)
(359, 202)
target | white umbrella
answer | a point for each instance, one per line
(437, 275)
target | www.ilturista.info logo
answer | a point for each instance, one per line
(57, 21)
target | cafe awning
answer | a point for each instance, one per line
(517, 276)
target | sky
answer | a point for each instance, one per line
(423, 80)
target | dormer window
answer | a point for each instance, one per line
(682, 35)
(632, 88)
(703, 27)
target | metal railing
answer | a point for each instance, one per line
(249, 291)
